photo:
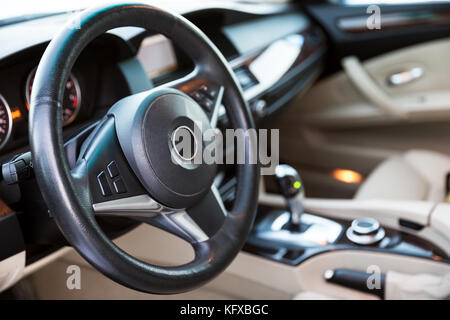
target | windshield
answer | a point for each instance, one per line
(24, 8)
(12, 9)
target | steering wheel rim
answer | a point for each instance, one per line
(68, 192)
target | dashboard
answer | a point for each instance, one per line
(276, 52)
(107, 70)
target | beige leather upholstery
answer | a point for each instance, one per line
(415, 175)
(401, 286)
(423, 286)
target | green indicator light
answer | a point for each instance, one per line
(297, 184)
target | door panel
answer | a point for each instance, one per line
(401, 26)
(342, 123)
(344, 100)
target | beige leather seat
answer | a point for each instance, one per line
(401, 286)
(415, 175)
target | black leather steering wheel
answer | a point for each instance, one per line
(125, 168)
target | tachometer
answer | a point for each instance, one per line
(72, 97)
(5, 122)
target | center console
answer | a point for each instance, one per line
(289, 235)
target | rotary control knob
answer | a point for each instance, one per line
(365, 231)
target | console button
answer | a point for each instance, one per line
(119, 186)
(113, 171)
(103, 183)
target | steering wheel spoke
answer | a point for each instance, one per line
(177, 222)
(195, 224)
(145, 209)
(209, 213)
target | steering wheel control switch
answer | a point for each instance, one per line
(119, 186)
(103, 184)
(207, 95)
(209, 90)
(18, 169)
(365, 232)
(113, 171)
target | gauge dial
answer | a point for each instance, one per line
(5, 122)
(72, 97)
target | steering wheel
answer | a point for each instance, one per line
(125, 166)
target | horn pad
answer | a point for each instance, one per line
(149, 126)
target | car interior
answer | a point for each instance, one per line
(93, 95)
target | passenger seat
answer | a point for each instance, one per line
(415, 175)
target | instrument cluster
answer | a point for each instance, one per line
(12, 115)
(16, 85)
(5, 121)
(71, 101)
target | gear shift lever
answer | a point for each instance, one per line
(291, 187)
(294, 229)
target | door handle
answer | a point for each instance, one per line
(369, 89)
(404, 77)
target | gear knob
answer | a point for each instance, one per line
(288, 180)
(291, 187)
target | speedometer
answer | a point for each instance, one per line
(72, 97)
(5, 122)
